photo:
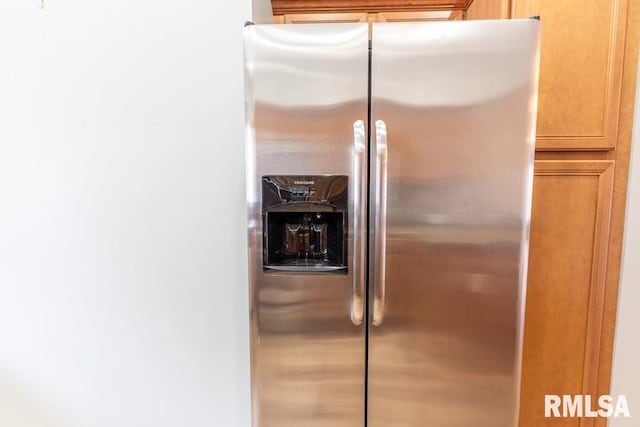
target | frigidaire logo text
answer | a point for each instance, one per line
(581, 406)
(304, 182)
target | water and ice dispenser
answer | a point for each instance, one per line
(305, 223)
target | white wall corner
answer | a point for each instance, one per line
(262, 13)
(626, 372)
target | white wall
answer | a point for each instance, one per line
(262, 12)
(123, 299)
(626, 361)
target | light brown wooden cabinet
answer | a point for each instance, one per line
(317, 18)
(390, 16)
(571, 216)
(587, 78)
(580, 71)
(488, 9)
(415, 16)
(588, 66)
(583, 139)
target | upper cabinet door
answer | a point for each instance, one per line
(418, 16)
(488, 9)
(580, 71)
(323, 18)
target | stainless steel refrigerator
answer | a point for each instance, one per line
(389, 189)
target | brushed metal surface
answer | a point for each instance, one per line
(379, 222)
(305, 88)
(359, 191)
(459, 102)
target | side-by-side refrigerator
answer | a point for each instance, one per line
(389, 189)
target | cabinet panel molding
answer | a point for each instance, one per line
(281, 7)
(326, 18)
(417, 16)
(571, 213)
(488, 9)
(580, 71)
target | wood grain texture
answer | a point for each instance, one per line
(598, 352)
(622, 153)
(281, 7)
(580, 71)
(420, 16)
(566, 284)
(324, 18)
(488, 9)
(406, 16)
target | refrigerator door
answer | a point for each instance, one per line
(454, 107)
(306, 110)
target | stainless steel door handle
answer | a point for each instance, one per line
(380, 223)
(359, 233)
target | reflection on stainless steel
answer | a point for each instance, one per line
(448, 197)
(359, 221)
(379, 210)
(458, 99)
(305, 87)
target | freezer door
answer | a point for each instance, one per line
(454, 108)
(306, 107)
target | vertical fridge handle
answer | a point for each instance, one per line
(380, 223)
(359, 220)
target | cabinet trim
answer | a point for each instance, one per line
(604, 170)
(606, 139)
(281, 7)
(418, 16)
(326, 18)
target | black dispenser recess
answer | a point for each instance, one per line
(305, 223)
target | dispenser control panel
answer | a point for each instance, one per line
(305, 223)
(326, 189)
